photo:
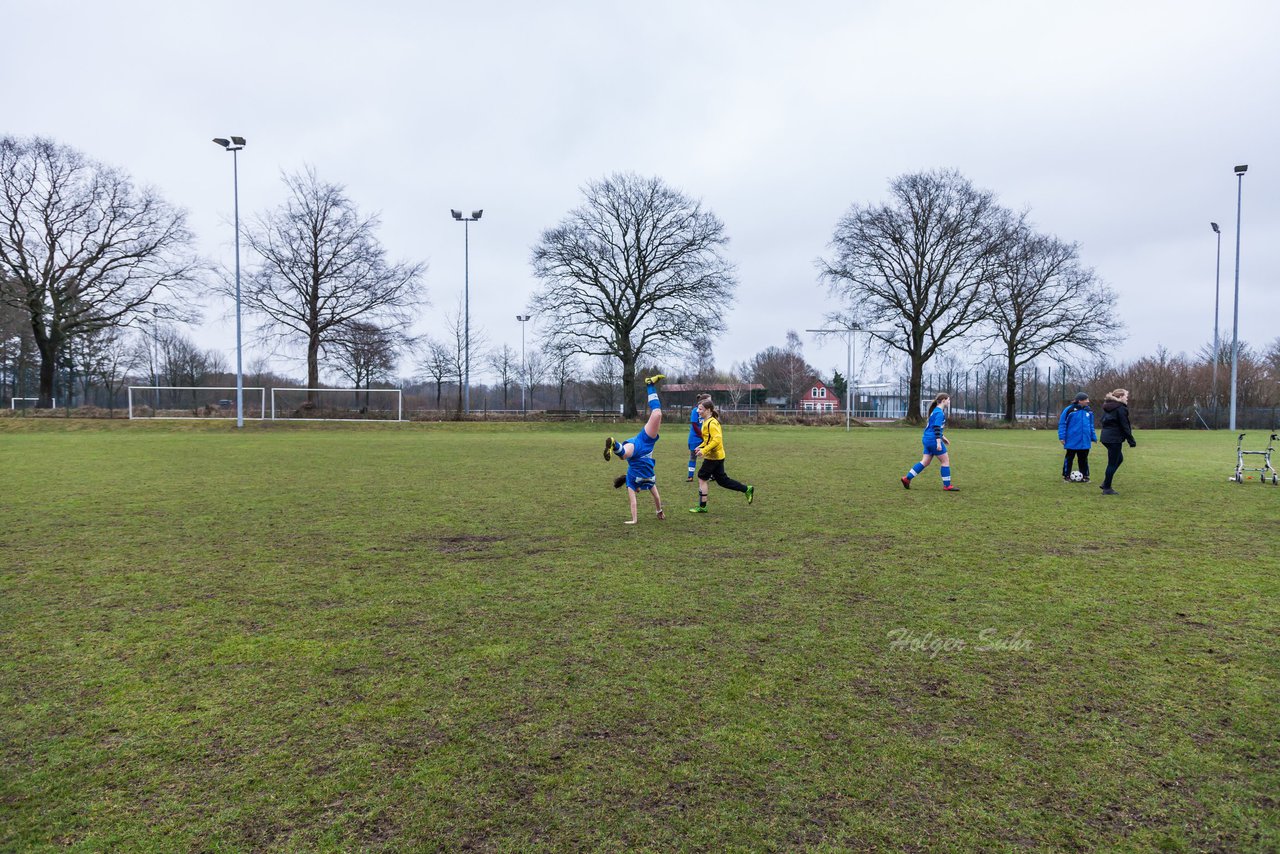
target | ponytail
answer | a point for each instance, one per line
(941, 397)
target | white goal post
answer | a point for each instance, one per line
(13, 402)
(331, 408)
(190, 403)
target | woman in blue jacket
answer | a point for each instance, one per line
(935, 444)
(1075, 432)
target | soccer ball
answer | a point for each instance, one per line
(1076, 477)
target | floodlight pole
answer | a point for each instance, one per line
(234, 145)
(1217, 277)
(524, 363)
(466, 300)
(1235, 323)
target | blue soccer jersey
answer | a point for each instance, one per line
(695, 429)
(933, 432)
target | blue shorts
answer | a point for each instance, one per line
(640, 474)
(640, 484)
(930, 447)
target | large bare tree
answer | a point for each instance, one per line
(635, 272)
(918, 264)
(81, 248)
(1044, 302)
(323, 267)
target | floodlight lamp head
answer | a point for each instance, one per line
(1216, 230)
(456, 214)
(238, 140)
(476, 214)
(1240, 170)
(225, 143)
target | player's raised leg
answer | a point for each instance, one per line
(654, 424)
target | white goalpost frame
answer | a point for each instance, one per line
(262, 399)
(13, 402)
(399, 403)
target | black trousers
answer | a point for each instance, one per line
(1081, 455)
(1114, 459)
(714, 470)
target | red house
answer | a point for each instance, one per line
(819, 398)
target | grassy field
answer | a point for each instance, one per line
(393, 637)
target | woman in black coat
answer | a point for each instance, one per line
(1115, 432)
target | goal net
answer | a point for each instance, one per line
(337, 404)
(28, 402)
(188, 402)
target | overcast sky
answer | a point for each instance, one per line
(1116, 123)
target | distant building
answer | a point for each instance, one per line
(819, 398)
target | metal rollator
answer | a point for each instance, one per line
(1265, 471)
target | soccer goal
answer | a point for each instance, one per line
(337, 404)
(28, 402)
(193, 402)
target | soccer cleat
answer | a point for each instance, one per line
(906, 482)
(688, 480)
(697, 510)
(1084, 480)
(1106, 490)
(751, 494)
(655, 379)
(950, 489)
(629, 522)
(619, 481)
(608, 448)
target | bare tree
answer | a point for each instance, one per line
(506, 366)
(81, 248)
(17, 352)
(1043, 302)
(323, 267)
(918, 264)
(436, 365)
(454, 347)
(562, 368)
(738, 378)
(363, 353)
(702, 364)
(183, 363)
(634, 272)
(602, 387)
(534, 371)
(117, 359)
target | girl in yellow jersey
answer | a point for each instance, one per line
(712, 452)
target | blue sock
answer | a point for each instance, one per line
(692, 466)
(653, 398)
(946, 475)
(617, 448)
(915, 470)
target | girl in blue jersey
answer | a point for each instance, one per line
(935, 444)
(638, 452)
(695, 435)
